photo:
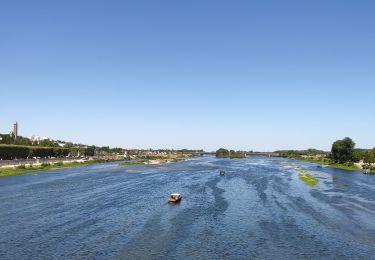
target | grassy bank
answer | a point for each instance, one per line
(132, 163)
(22, 169)
(308, 179)
(344, 167)
(330, 164)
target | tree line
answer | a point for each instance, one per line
(224, 153)
(10, 152)
(343, 151)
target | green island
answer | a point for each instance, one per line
(224, 153)
(308, 179)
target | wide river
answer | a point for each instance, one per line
(259, 210)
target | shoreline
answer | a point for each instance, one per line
(354, 167)
(22, 169)
(154, 161)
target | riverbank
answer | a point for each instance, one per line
(23, 169)
(330, 164)
(28, 168)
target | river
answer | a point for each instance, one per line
(259, 210)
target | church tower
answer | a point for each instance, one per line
(15, 130)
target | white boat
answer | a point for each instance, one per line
(174, 198)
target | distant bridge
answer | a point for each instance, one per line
(269, 154)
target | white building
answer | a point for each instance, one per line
(35, 138)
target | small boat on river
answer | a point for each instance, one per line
(222, 173)
(174, 198)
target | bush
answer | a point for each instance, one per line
(10, 152)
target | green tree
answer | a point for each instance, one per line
(222, 153)
(68, 145)
(22, 141)
(47, 143)
(343, 150)
(359, 155)
(369, 156)
(6, 139)
(105, 149)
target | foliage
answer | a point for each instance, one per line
(6, 139)
(299, 153)
(343, 150)
(47, 143)
(308, 179)
(349, 166)
(131, 163)
(22, 141)
(10, 152)
(224, 153)
(369, 156)
(44, 167)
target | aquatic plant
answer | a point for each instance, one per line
(308, 179)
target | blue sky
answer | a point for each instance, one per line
(251, 75)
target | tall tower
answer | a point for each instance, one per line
(15, 130)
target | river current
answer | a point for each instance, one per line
(260, 209)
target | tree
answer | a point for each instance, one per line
(68, 145)
(359, 155)
(343, 150)
(23, 141)
(222, 153)
(48, 143)
(6, 139)
(369, 156)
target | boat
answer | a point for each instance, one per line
(222, 173)
(366, 171)
(174, 198)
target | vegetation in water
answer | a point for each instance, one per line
(308, 179)
(131, 163)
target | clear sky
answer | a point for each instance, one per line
(251, 75)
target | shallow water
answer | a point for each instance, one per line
(259, 209)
